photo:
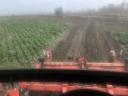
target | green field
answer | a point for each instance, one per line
(122, 39)
(23, 40)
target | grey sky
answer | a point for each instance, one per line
(44, 6)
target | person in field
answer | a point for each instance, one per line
(82, 60)
(47, 57)
(113, 55)
(47, 54)
(40, 63)
(121, 52)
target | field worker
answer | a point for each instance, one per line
(121, 52)
(83, 62)
(48, 54)
(40, 63)
(113, 55)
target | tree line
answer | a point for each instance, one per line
(109, 10)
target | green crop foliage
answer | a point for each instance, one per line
(22, 40)
(122, 38)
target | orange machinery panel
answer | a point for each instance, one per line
(116, 66)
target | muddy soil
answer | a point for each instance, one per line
(86, 37)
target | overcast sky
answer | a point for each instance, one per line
(46, 6)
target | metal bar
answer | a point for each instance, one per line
(78, 76)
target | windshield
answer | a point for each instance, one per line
(60, 31)
(64, 34)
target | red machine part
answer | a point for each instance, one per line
(116, 66)
(62, 88)
(76, 65)
(13, 92)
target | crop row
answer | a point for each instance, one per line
(22, 41)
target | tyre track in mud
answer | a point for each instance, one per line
(72, 44)
(110, 41)
(93, 43)
(88, 38)
(61, 49)
(98, 43)
(77, 47)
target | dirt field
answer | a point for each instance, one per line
(89, 37)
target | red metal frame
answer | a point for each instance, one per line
(74, 65)
(61, 87)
